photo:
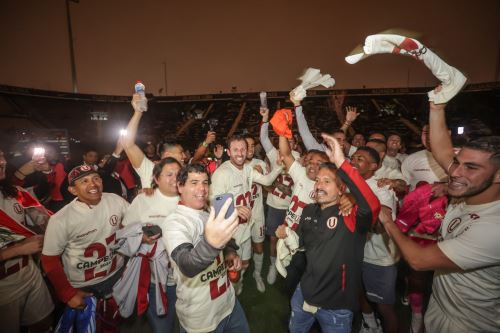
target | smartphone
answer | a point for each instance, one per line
(38, 154)
(151, 230)
(219, 201)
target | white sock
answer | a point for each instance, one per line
(370, 320)
(258, 259)
(416, 321)
(273, 262)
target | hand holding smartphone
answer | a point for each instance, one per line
(219, 201)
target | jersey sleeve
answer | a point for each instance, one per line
(476, 247)
(367, 207)
(145, 172)
(405, 172)
(218, 185)
(297, 172)
(306, 135)
(264, 138)
(56, 237)
(175, 233)
(266, 180)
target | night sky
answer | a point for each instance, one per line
(212, 46)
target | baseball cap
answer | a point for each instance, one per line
(79, 172)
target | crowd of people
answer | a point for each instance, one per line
(344, 218)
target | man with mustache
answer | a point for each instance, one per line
(332, 245)
(466, 259)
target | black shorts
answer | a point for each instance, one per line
(274, 218)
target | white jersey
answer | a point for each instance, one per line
(380, 248)
(204, 300)
(83, 236)
(152, 209)
(468, 300)
(303, 194)
(19, 272)
(278, 199)
(257, 198)
(229, 179)
(145, 172)
(422, 167)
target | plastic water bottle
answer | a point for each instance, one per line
(143, 102)
(263, 99)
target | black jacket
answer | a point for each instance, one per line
(334, 246)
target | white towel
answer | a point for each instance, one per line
(452, 80)
(311, 78)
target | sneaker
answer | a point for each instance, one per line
(271, 275)
(259, 282)
(367, 329)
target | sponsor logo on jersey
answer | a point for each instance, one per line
(312, 194)
(113, 220)
(454, 224)
(101, 262)
(214, 273)
(474, 216)
(17, 208)
(331, 223)
(87, 233)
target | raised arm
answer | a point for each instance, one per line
(309, 141)
(264, 131)
(134, 153)
(286, 153)
(368, 206)
(202, 149)
(441, 146)
(266, 180)
(350, 116)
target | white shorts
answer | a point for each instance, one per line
(258, 230)
(245, 250)
(34, 306)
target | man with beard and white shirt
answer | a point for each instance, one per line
(257, 224)
(196, 242)
(236, 177)
(279, 198)
(466, 259)
(78, 254)
(379, 270)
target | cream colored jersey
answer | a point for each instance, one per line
(380, 248)
(468, 300)
(277, 198)
(303, 194)
(152, 209)
(256, 199)
(19, 272)
(229, 179)
(83, 236)
(422, 167)
(145, 172)
(204, 300)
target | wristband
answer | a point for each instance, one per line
(204, 144)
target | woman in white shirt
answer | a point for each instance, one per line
(153, 209)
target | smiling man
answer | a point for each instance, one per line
(196, 242)
(77, 253)
(466, 259)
